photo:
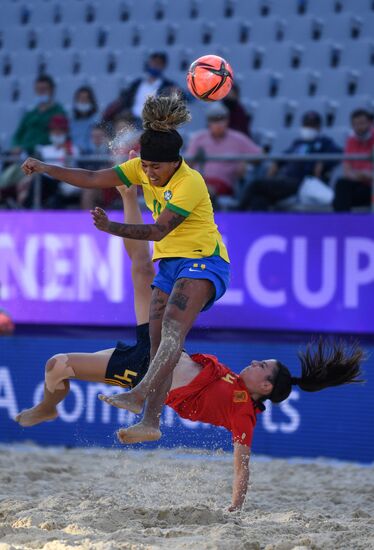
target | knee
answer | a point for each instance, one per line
(51, 363)
(142, 266)
(57, 370)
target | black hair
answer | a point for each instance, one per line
(48, 79)
(91, 94)
(361, 112)
(324, 364)
(162, 115)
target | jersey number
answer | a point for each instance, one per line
(228, 378)
(127, 376)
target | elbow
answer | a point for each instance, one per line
(160, 233)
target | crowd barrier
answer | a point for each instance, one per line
(335, 423)
(200, 160)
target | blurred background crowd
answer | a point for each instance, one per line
(74, 98)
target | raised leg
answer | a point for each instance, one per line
(90, 367)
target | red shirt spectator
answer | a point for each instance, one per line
(354, 188)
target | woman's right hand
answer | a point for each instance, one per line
(33, 166)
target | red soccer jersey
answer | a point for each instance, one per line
(217, 396)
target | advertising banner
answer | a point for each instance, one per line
(307, 272)
(335, 423)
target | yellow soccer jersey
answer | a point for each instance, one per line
(186, 193)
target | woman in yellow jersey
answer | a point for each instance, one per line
(194, 264)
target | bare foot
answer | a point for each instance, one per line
(127, 401)
(36, 415)
(138, 433)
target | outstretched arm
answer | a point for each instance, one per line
(143, 232)
(86, 179)
(241, 476)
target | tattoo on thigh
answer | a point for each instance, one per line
(180, 300)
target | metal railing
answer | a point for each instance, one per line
(200, 160)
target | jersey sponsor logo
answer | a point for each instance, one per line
(168, 195)
(240, 396)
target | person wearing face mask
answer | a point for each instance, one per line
(33, 129)
(153, 83)
(83, 118)
(354, 188)
(56, 194)
(284, 179)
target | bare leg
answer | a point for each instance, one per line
(90, 367)
(185, 302)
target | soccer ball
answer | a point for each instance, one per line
(210, 78)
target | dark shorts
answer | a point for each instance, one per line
(128, 364)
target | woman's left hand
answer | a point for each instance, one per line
(100, 219)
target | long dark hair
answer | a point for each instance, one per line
(324, 363)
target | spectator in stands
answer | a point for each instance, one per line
(239, 119)
(219, 140)
(153, 82)
(33, 129)
(354, 188)
(56, 194)
(84, 117)
(283, 180)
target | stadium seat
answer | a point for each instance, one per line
(358, 54)
(131, 62)
(275, 113)
(283, 56)
(27, 63)
(262, 85)
(303, 83)
(268, 29)
(347, 26)
(322, 55)
(340, 83)
(181, 11)
(120, 36)
(304, 29)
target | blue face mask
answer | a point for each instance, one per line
(42, 99)
(155, 73)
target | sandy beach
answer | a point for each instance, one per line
(58, 499)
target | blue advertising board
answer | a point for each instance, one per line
(336, 423)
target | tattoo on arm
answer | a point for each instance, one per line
(145, 232)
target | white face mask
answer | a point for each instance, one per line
(58, 139)
(308, 134)
(83, 107)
